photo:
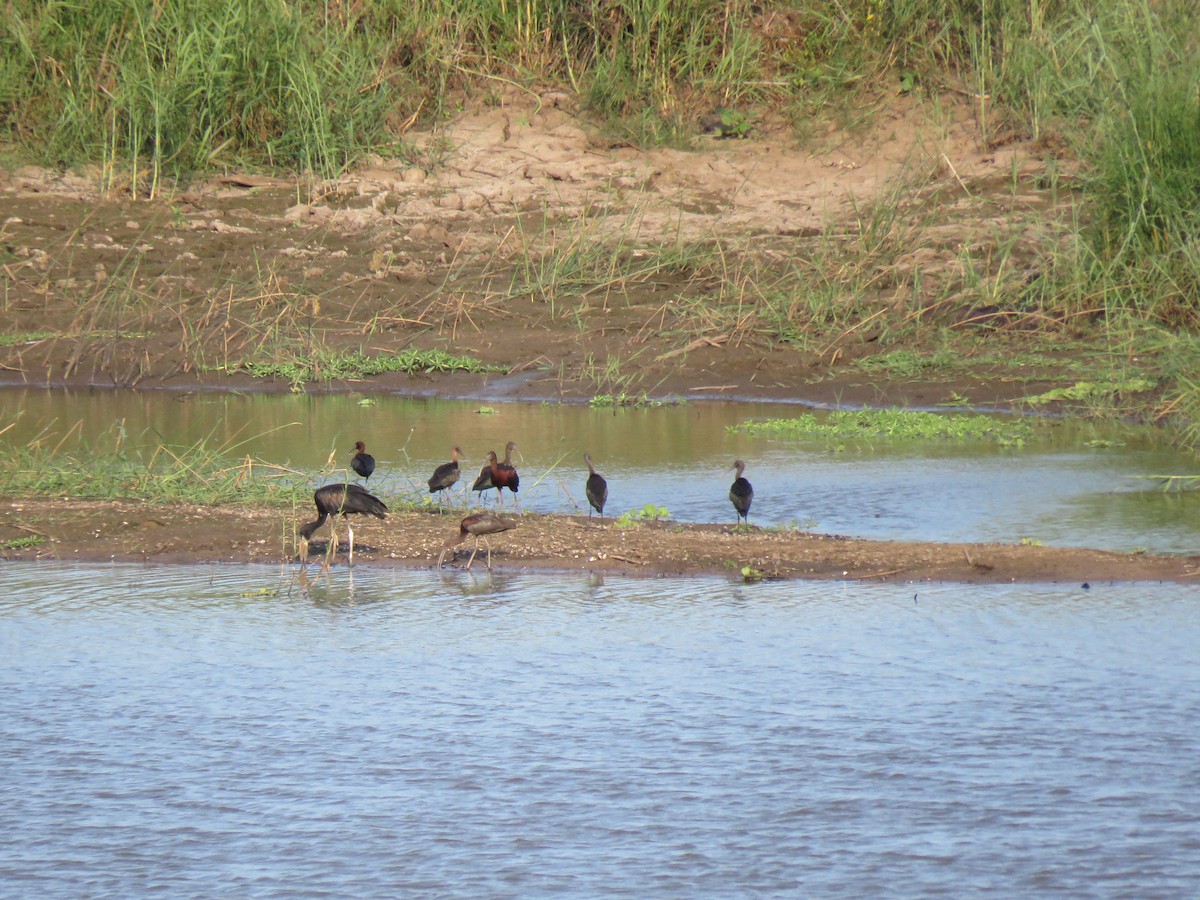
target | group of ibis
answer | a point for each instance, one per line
(348, 500)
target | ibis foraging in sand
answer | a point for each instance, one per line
(478, 526)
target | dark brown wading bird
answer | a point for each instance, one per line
(484, 481)
(344, 500)
(477, 525)
(503, 476)
(363, 462)
(741, 494)
(446, 475)
(596, 488)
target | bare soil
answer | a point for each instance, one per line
(115, 288)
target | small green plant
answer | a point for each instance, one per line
(728, 123)
(611, 401)
(750, 574)
(648, 513)
(23, 543)
(1031, 542)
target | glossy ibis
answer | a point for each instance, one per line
(741, 494)
(344, 500)
(596, 488)
(446, 475)
(484, 481)
(503, 476)
(363, 462)
(479, 526)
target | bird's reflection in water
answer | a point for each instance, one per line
(322, 588)
(478, 583)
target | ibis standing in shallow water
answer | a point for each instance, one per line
(477, 525)
(596, 488)
(503, 476)
(363, 462)
(484, 481)
(741, 494)
(344, 500)
(446, 475)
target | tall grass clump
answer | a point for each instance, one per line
(158, 90)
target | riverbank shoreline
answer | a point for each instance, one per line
(121, 531)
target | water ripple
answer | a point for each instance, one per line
(234, 731)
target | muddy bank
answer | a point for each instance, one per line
(572, 266)
(119, 531)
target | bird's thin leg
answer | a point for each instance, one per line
(350, 528)
(473, 552)
(304, 551)
(331, 547)
(489, 556)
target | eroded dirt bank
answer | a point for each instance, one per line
(574, 265)
(93, 531)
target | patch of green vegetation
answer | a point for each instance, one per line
(1172, 483)
(322, 365)
(1091, 390)
(113, 470)
(908, 363)
(24, 337)
(751, 574)
(901, 424)
(611, 401)
(648, 513)
(23, 543)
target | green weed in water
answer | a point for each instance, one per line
(902, 424)
(611, 401)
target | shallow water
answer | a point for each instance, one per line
(229, 732)
(1057, 490)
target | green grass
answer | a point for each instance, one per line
(23, 543)
(24, 337)
(326, 365)
(114, 470)
(648, 513)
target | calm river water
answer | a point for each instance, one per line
(228, 731)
